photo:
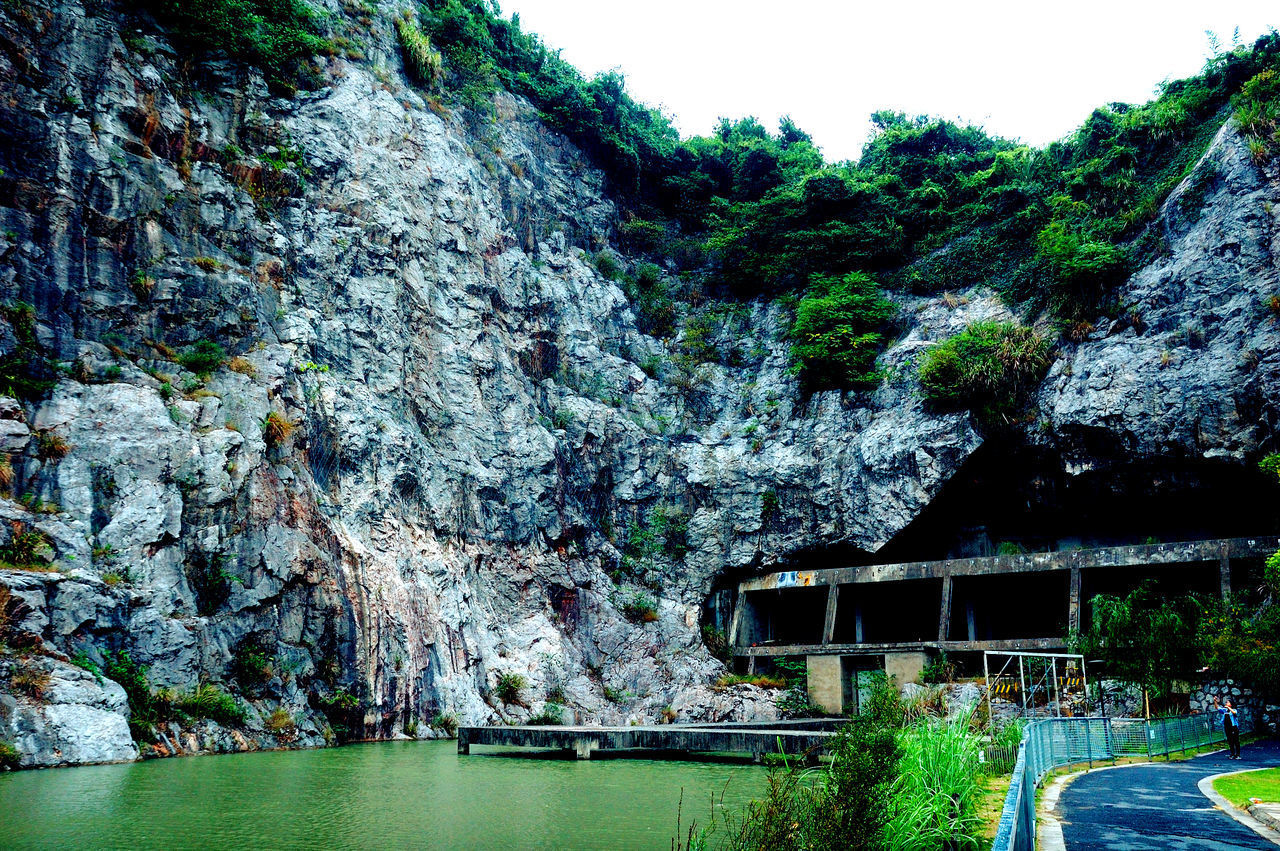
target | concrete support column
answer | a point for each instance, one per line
(1224, 574)
(735, 621)
(1073, 602)
(464, 746)
(944, 616)
(971, 629)
(829, 624)
(582, 748)
(825, 686)
(857, 623)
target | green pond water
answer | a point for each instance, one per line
(384, 795)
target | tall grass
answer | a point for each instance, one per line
(909, 789)
(842, 805)
(933, 802)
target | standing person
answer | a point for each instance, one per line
(1230, 726)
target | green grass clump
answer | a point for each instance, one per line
(28, 547)
(203, 358)
(252, 663)
(839, 331)
(27, 372)
(1239, 788)
(639, 608)
(209, 701)
(510, 686)
(447, 723)
(761, 680)
(424, 62)
(148, 708)
(935, 796)
(655, 305)
(552, 715)
(281, 723)
(990, 367)
(844, 804)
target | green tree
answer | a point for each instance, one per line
(1145, 638)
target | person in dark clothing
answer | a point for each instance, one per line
(1230, 726)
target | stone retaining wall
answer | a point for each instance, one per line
(1256, 711)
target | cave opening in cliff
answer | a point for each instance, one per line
(784, 616)
(1017, 498)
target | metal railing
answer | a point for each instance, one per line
(1055, 742)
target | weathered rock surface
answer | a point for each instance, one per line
(474, 435)
(76, 719)
(1193, 368)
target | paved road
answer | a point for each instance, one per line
(1158, 806)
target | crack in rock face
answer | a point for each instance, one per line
(418, 465)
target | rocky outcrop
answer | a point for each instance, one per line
(75, 718)
(434, 458)
(1192, 367)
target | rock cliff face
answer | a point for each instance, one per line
(474, 437)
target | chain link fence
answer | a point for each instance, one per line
(1056, 742)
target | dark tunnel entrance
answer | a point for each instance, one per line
(888, 612)
(1010, 606)
(1014, 499)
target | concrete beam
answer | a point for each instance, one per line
(1025, 644)
(1147, 555)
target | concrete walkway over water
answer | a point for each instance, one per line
(758, 739)
(1158, 806)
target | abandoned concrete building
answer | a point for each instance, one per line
(1007, 559)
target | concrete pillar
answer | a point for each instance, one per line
(735, 621)
(971, 629)
(582, 748)
(944, 617)
(1073, 602)
(464, 747)
(905, 666)
(825, 686)
(829, 624)
(857, 623)
(1224, 574)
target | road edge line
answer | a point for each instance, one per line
(1206, 788)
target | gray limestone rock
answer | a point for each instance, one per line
(461, 434)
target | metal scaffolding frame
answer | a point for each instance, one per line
(1046, 677)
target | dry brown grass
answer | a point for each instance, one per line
(208, 264)
(242, 366)
(760, 680)
(282, 724)
(52, 446)
(276, 429)
(30, 680)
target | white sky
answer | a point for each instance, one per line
(1030, 71)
